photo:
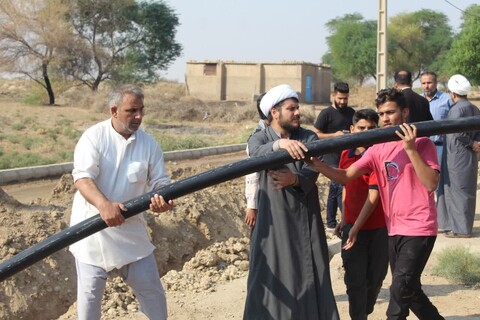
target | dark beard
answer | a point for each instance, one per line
(287, 126)
(339, 105)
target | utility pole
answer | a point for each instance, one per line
(382, 45)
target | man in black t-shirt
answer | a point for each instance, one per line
(331, 122)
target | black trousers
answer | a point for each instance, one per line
(366, 265)
(408, 257)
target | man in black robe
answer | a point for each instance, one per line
(289, 275)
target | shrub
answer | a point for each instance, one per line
(459, 265)
(18, 126)
(171, 143)
(17, 160)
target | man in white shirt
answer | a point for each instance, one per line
(115, 161)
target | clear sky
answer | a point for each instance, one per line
(275, 30)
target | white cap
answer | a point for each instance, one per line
(276, 95)
(459, 85)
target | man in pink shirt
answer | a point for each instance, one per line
(408, 174)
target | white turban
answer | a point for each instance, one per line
(459, 85)
(276, 95)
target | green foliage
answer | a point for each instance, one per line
(158, 47)
(34, 97)
(63, 122)
(65, 156)
(18, 126)
(417, 40)
(71, 133)
(29, 142)
(171, 143)
(464, 57)
(123, 40)
(459, 265)
(17, 160)
(352, 47)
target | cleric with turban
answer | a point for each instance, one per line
(458, 178)
(289, 275)
(276, 95)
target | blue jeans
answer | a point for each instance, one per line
(334, 201)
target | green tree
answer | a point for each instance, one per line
(417, 41)
(352, 47)
(122, 39)
(464, 57)
(32, 33)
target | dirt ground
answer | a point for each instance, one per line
(202, 253)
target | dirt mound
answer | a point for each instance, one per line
(199, 220)
(202, 242)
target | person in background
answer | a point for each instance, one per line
(418, 105)
(251, 180)
(458, 183)
(332, 122)
(115, 161)
(439, 102)
(289, 274)
(364, 241)
(408, 173)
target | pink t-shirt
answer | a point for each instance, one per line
(409, 207)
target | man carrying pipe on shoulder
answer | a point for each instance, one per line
(408, 175)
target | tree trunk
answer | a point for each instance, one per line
(48, 85)
(96, 83)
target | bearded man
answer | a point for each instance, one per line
(289, 275)
(331, 122)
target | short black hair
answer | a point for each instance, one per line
(365, 114)
(341, 87)
(260, 112)
(403, 77)
(429, 73)
(391, 94)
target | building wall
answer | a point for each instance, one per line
(219, 80)
(241, 81)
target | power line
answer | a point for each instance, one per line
(460, 9)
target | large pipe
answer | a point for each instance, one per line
(209, 178)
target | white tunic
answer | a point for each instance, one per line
(122, 169)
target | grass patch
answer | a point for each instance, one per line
(172, 143)
(34, 97)
(65, 156)
(72, 134)
(18, 126)
(63, 122)
(16, 160)
(460, 266)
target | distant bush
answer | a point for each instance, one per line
(459, 265)
(17, 160)
(18, 126)
(71, 133)
(172, 143)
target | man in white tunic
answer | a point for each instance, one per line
(115, 161)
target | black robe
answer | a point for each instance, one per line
(289, 274)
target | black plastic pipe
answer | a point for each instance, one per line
(209, 178)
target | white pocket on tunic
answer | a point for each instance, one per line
(137, 172)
